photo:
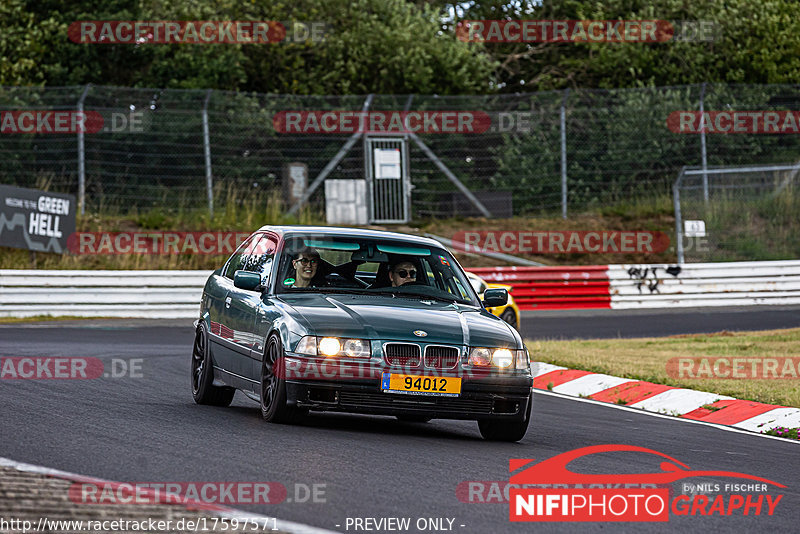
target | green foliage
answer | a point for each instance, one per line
(371, 46)
(757, 42)
(24, 39)
(783, 432)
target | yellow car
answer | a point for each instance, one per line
(510, 312)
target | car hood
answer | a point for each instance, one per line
(396, 319)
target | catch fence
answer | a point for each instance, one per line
(556, 152)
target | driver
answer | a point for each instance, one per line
(305, 266)
(402, 273)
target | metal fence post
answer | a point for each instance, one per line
(207, 154)
(82, 154)
(332, 163)
(703, 142)
(564, 154)
(676, 200)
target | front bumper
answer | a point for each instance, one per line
(491, 397)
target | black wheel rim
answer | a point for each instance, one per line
(198, 359)
(269, 382)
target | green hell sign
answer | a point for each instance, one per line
(35, 220)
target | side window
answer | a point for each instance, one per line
(260, 257)
(241, 256)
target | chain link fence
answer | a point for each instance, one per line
(545, 153)
(738, 213)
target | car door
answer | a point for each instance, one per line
(222, 336)
(244, 307)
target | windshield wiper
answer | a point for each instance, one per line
(449, 300)
(420, 296)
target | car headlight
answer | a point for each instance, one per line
(480, 357)
(356, 348)
(500, 358)
(334, 346)
(503, 358)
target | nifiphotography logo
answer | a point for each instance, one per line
(549, 491)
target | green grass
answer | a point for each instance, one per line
(762, 228)
(234, 212)
(783, 432)
(646, 359)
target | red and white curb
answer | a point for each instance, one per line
(658, 398)
(219, 511)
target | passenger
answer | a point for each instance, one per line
(305, 266)
(402, 273)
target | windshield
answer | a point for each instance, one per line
(368, 265)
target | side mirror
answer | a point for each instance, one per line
(494, 297)
(246, 280)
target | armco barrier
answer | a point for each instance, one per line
(150, 294)
(704, 284)
(176, 294)
(650, 285)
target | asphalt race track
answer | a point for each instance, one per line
(147, 428)
(571, 324)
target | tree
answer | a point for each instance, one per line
(756, 43)
(380, 46)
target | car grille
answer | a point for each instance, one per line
(421, 402)
(402, 354)
(439, 357)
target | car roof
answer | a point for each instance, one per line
(350, 232)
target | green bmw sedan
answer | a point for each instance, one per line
(338, 319)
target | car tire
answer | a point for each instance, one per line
(494, 430)
(413, 418)
(273, 386)
(510, 317)
(203, 389)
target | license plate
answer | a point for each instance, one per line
(442, 386)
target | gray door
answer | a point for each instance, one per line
(388, 181)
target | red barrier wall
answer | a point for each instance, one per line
(552, 288)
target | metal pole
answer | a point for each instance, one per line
(703, 142)
(207, 153)
(564, 154)
(82, 154)
(452, 177)
(676, 200)
(407, 185)
(332, 163)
